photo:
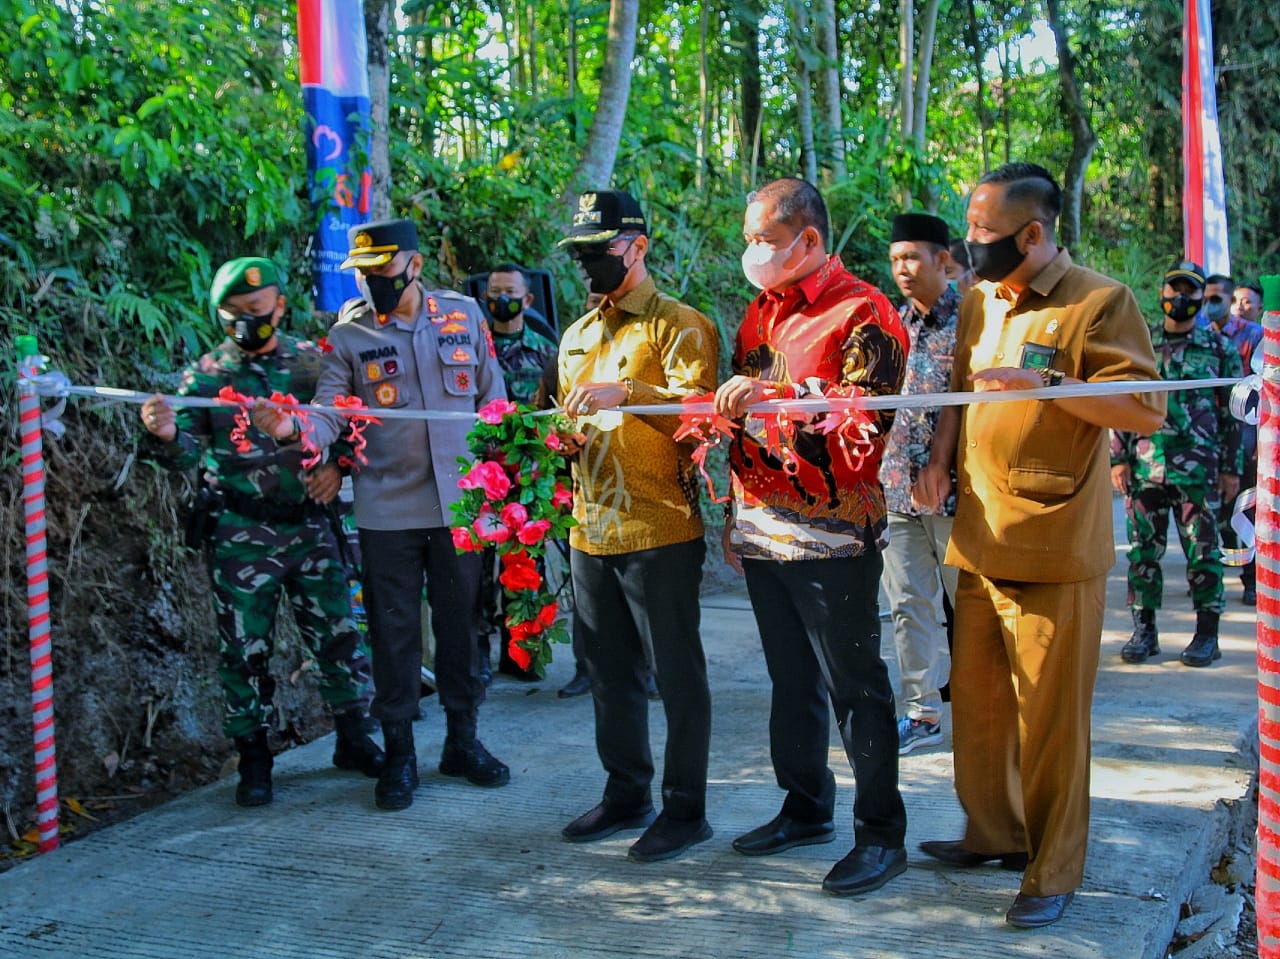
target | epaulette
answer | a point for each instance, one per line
(352, 310)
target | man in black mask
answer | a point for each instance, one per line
(269, 535)
(1032, 536)
(636, 554)
(402, 346)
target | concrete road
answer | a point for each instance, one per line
(484, 874)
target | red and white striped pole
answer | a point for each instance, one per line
(1267, 892)
(46, 769)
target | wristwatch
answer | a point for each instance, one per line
(1052, 377)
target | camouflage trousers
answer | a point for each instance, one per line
(1195, 511)
(252, 564)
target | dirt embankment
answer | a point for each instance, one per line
(138, 705)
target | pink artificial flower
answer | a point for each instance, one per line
(553, 441)
(492, 413)
(532, 533)
(514, 515)
(562, 497)
(489, 477)
(490, 529)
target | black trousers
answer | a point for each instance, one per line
(621, 601)
(395, 562)
(820, 630)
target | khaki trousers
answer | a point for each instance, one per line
(1022, 677)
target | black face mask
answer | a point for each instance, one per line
(604, 270)
(385, 291)
(504, 308)
(249, 331)
(1180, 308)
(995, 260)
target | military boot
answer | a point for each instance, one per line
(354, 749)
(1145, 641)
(1203, 648)
(400, 773)
(254, 788)
(465, 755)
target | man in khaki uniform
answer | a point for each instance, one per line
(1032, 535)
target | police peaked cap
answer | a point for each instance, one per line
(1186, 270)
(248, 274)
(373, 244)
(920, 228)
(603, 215)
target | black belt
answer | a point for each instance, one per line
(263, 511)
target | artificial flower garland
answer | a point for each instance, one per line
(514, 501)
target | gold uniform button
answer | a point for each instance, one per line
(967, 491)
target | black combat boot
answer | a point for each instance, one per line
(400, 773)
(254, 788)
(465, 755)
(1145, 641)
(1203, 648)
(354, 749)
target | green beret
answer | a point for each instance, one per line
(245, 275)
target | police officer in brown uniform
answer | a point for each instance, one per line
(401, 346)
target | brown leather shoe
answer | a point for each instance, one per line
(953, 853)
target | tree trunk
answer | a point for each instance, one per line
(829, 89)
(973, 40)
(924, 62)
(377, 18)
(595, 169)
(747, 27)
(801, 46)
(704, 97)
(906, 51)
(1083, 139)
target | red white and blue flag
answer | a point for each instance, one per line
(1204, 194)
(333, 68)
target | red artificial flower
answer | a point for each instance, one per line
(562, 497)
(517, 557)
(493, 412)
(519, 655)
(489, 477)
(519, 576)
(547, 615)
(531, 534)
(463, 541)
(515, 516)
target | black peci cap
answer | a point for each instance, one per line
(373, 244)
(602, 215)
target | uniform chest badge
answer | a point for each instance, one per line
(1052, 327)
(432, 305)
(392, 367)
(373, 372)
(461, 356)
(461, 381)
(453, 327)
(386, 394)
(458, 316)
(384, 319)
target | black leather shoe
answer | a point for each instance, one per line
(1032, 912)
(1202, 651)
(953, 853)
(394, 788)
(668, 838)
(473, 761)
(781, 833)
(603, 821)
(865, 869)
(580, 685)
(1250, 596)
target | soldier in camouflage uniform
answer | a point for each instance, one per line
(1191, 463)
(271, 534)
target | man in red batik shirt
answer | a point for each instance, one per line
(807, 527)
